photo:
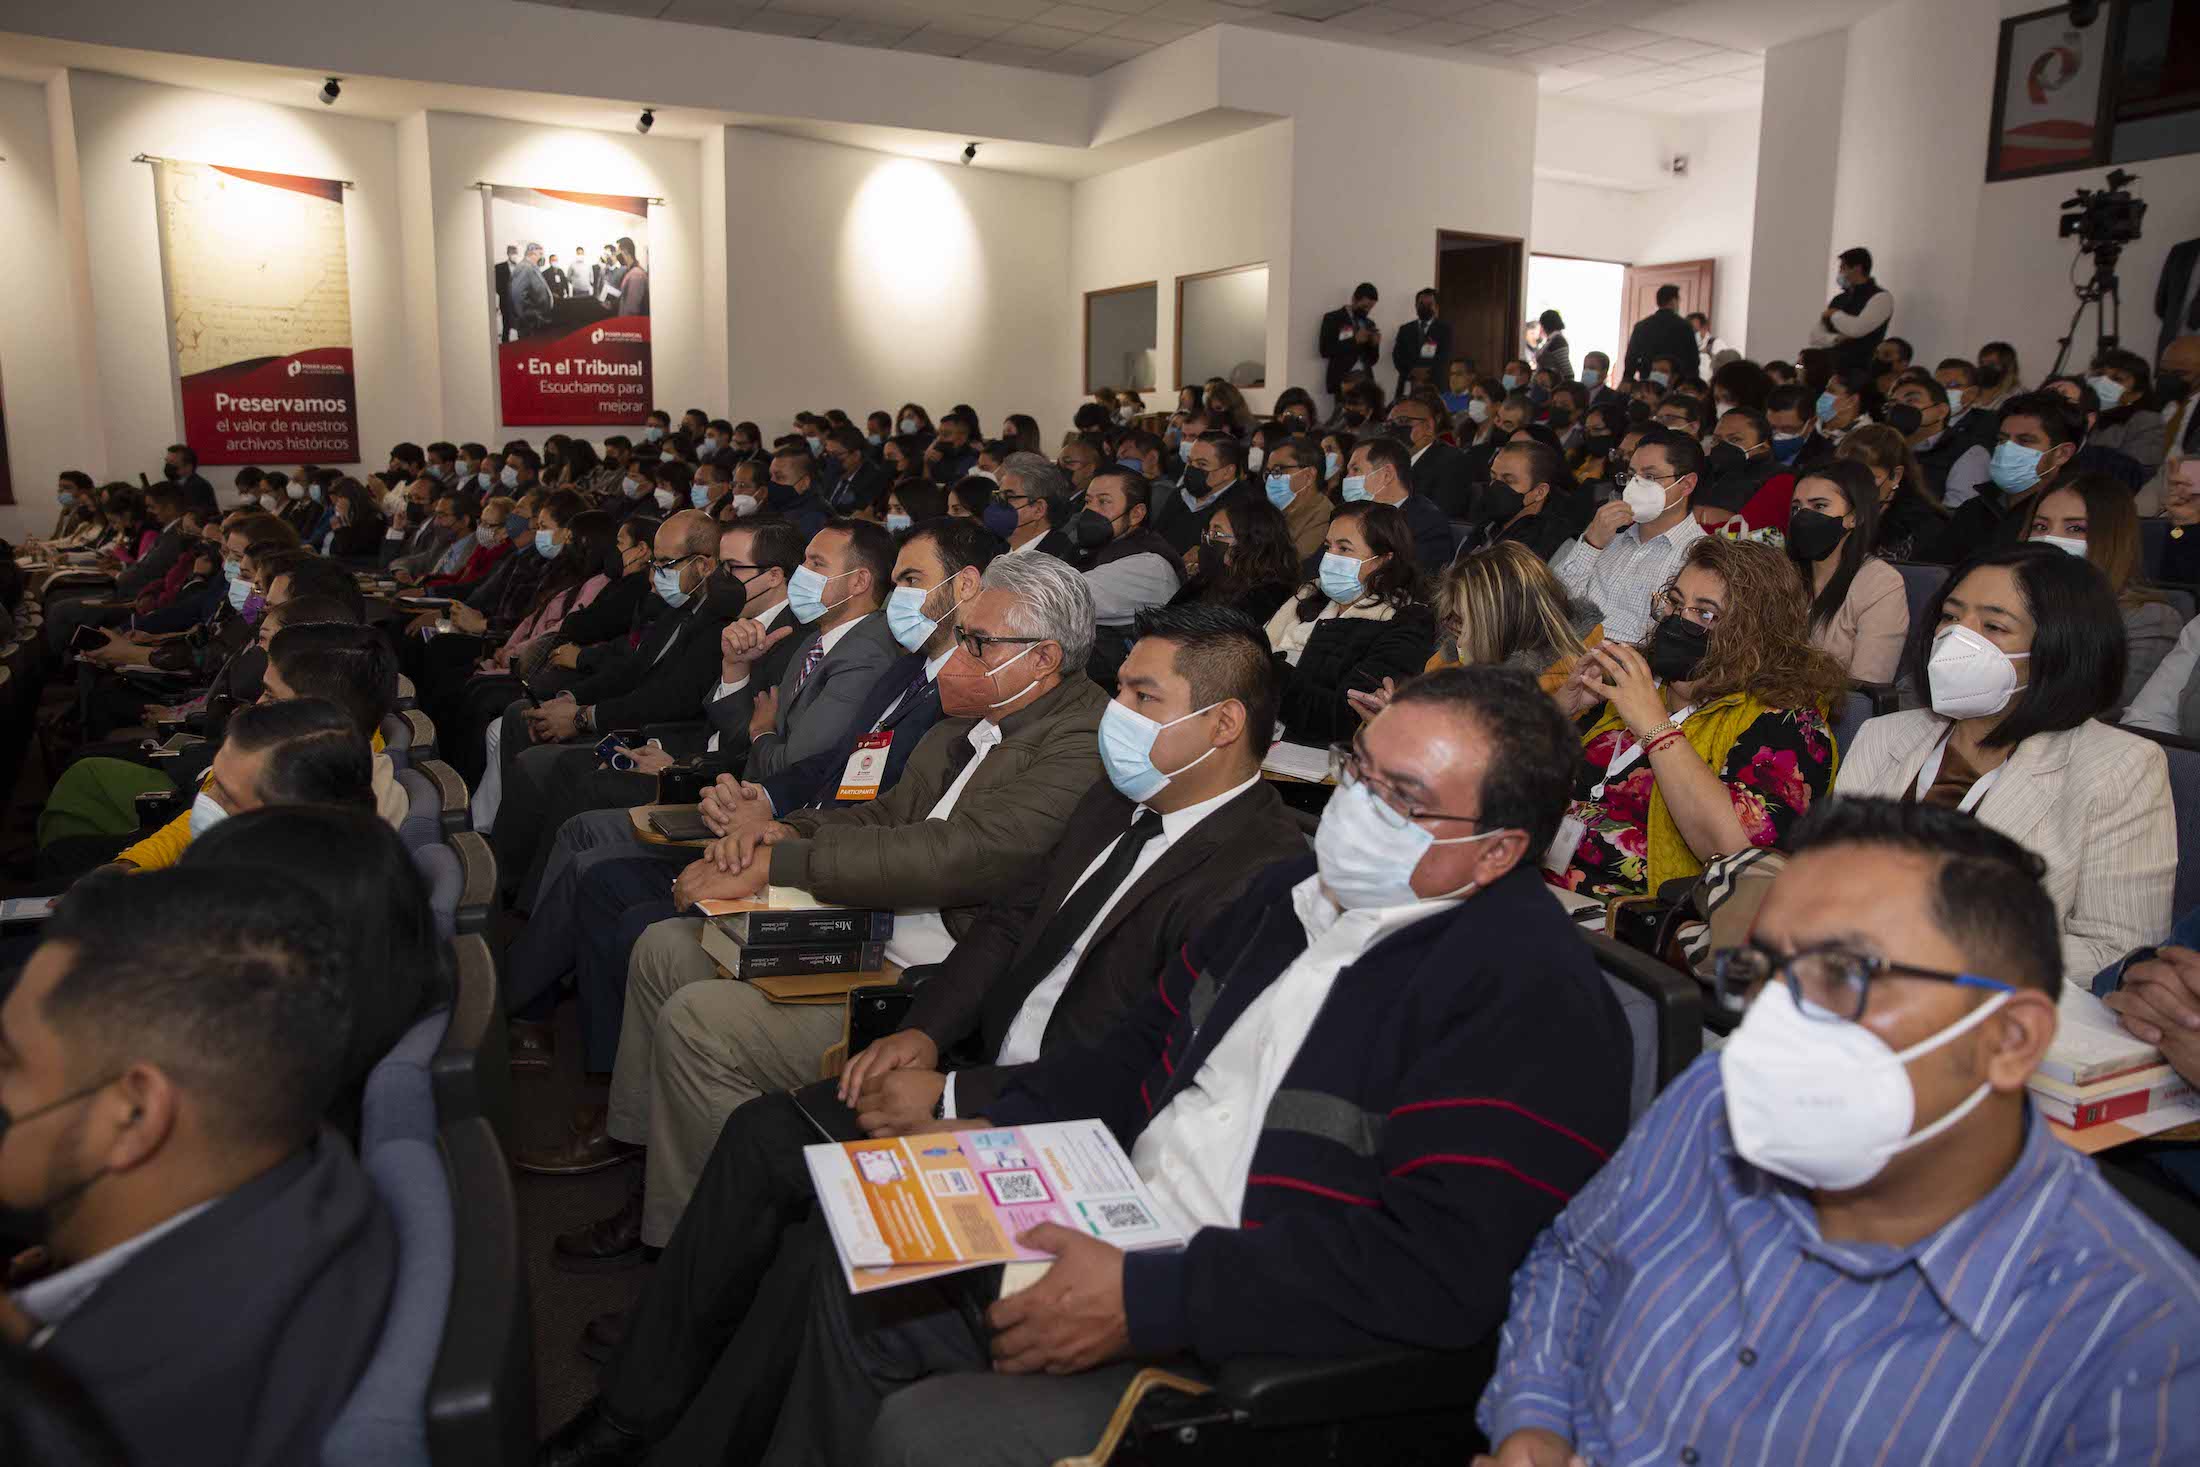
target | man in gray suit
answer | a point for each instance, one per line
(528, 303)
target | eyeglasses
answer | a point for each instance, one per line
(1830, 983)
(1348, 768)
(976, 643)
(1220, 542)
(1669, 603)
(672, 562)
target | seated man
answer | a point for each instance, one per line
(1335, 1177)
(1382, 470)
(1851, 1218)
(983, 799)
(224, 1263)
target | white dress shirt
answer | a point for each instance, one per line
(1020, 1046)
(1623, 577)
(1197, 1153)
(919, 934)
(727, 690)
(51, 1300)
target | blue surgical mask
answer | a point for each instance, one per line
(1331, 463)
(314, 492)
(2107, 389)
(905, 616)
(666, 583)
(1355, 488)
(2015, 468)
(1509, 381)
(67, 499)
(240, 591)
(1663, 379)
(1279, 490)
(1136, 466)
(817, 445)
(654, 433)
(1828, 405)
(631, 487)
(896, 523)
(509, 478)
(877, 440)
(1340, 578)
(1787, 447)
(546, 543)
(699, 495)
(806, 594)
(1126, 750)
(1591, 377)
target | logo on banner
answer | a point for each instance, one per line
(599, 336)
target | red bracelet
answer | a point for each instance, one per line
(1660, 741)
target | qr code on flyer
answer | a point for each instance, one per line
(1012, 1188)
(1118, 1216)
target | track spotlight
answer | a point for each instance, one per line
(330, 91)
(970, 154)
(645, 122)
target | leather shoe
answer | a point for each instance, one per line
(603, 1336)
(605, 1245)
(532, 1044)
(592, 1439)
(588, 1149)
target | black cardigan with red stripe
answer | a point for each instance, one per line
(1463, 1079)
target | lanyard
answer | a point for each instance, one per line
(1625, 759)
(1930, 771)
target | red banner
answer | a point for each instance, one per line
(296, 407)
(598, 373)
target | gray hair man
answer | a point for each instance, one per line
(1028, 483)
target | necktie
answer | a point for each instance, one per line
(1085, 903)
(810, 660)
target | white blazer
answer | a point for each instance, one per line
(2092, 801)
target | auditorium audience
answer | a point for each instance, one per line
(2091, 516)
(1633, 545)
(1501, 606)
(1912, 525)
(1711, 738)
(1859, 612)
(1530, 500)
(1247, 561)
(1364, 617)
(1382, 473)
(1296, 481)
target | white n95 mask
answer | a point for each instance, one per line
(1827, 1103)
(1970, 677)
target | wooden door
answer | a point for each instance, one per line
(1478, 285)
(1643, 282)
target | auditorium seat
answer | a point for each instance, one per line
(453, 798)
(397, 737)
(385, 1421)
(407, 696)
(481, 1395)
(423, 822)
(400, 1099)
(472, 1065)
(1920, 584)
(439, 868)
(422, 743)
(477, 896)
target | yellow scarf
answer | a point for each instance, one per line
(1711, 731)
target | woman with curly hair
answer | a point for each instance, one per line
(1712, 736)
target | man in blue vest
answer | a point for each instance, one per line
(1854, 322)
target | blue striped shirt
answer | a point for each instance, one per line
(1685, 1309)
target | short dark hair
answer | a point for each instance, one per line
(1226, 448)
(1388, 452)
(1987, 894)
(774, 543)
(961, 543)
(871, 548)
(1858, 258)
(1902, 345)
(1667, 295)
(349, 666)
(1758, 424)
(1551, 321)
(2079, 648)
(314, 576)
(409, 453)
(1788, 397)
(1682, 451)
(2062, 422)
(1365, 289)
(1137, 488)
(186, 452)
(315, 753)
(301, 611)
(1223, 654)
(234, 990)
(1529, 778)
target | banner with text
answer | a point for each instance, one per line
(571, 320)
(259, 313)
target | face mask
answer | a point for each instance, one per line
(1787, 447)
(2107, 389)
(254, 604)
(1134, 465)
(665, 498)
(1645, 497)
(509, 478)
(1355, 488)
(1725, 458)
(1279, 490)
(1903, 418)
(1353, 417)
(1826, 1103)
(1126, 751)
(546, 543)
(487, 534)
(1340, 578)
(908, 425)
(631, 487)
(666, 583)
(668, 457)
(1425, 313)
(1124, 415)
(1254, 458)
(294, 492)
(1663, 379)
(1591, 377)
(1478, 410)
(905, 616)
(1194, 481)
(1331, 463)
(1560, 418)
(1956, 405)
(2014, 468)
(1539, 395)
(1989, 374)
(999, 519)
(268, 502)
(2064, 543)
(314, 494)
(240, 591)
(745, 505)
(962, 695)
(1509, 381)
(67, 499)
(896, 523)
(1678, 648)
(206, 813)
(817, 445)
(1969, 676)
(1813, 536)
(1367, 852)
(709, 448)
(654, 433)
(1499, 502)
(699, 495)
(1828, 405)
(806, 594)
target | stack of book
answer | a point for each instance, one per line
(796, 948)
(2095, 1072)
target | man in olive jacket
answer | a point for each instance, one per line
(983, 800)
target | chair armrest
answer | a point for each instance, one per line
(477, 898)
(1270, 1391)
(453, 807)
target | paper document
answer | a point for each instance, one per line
(917, 1207)
(1299, 761)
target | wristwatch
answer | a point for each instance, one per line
(585, 720)
(939, 1106)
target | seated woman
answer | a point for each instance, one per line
(1531, 499)
(1336, 456)
(968, 497)
(2019, 653)
(2092, 516)
(1859, 613)
(1502, 605)
(913, 501)
(1246, 559)
(580, 556)
(1912, 525)
(1711, 739)
(1362, 620)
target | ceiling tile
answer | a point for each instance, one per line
(1559, 79)
(626, 7)
(933, 41)
(1624, 12)
(1151, 28)
(1607, 65)
(1675, 50)
(1041, 37)
(1543, 56)
(969, 27)
(711, 12)
(1433, 9)
(1205, 13)
(1562, 28)
(1375, 20)
(1109, 49)
(1618, 38)
(1442, 33)
(1120, 7)
(1005, 9)
(788, 23)
(1086, 19)
(1063, 61)
(1001, 53)
(1500, 16)
(1730, 63)
(1507, 43)
(1649, 77)
(868, 33)
(1754, 73)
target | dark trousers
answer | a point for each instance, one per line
(607, 941)
(545, 786)
(566, 932)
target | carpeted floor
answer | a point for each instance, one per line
(543, 1105)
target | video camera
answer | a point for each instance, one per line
(2104, 219)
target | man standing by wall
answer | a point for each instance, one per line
(1662, 333)
(1854, 321)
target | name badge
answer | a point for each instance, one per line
(866, 767)
(394, 533)
(1428, 349)
(1560, 856)
(1344, 333)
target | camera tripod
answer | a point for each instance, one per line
(2104, 293)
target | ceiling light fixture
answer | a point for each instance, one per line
(331, 90)
(645, 122)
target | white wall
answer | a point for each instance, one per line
(1708, 213)
(687, 358)
(1791, 250)
(862, 281)
(39, 366)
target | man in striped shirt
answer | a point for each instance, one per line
(1848, 1237)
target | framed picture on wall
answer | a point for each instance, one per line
(2051, 111)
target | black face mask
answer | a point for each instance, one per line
(1353, 417)
(1426, 313)
(1000, 519)
(724, 595)
(1638, 411)
(1398, 431)
(1499, 437)
(1812, 536)
(1499, 502)
(1091, 529)
(1724, 458)
(1599, 445)
(1195, 480)
(1989, 374)
(34, 1224)
(1678, 648)
(1560, 418)
(1901, 417)
(2170, 387)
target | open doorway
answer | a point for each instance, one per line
(1478, 283)
(1587, 293)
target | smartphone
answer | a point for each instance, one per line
(612, 750)
(86, 639)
